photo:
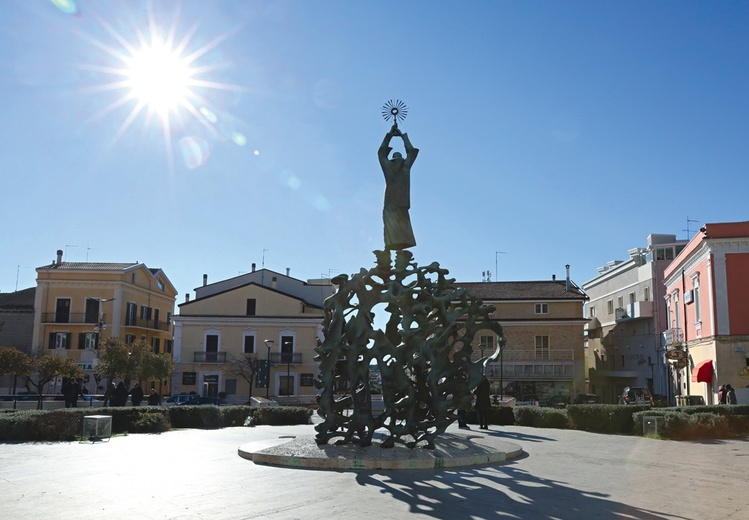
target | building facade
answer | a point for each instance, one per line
(627, 316)
(16, 327)
(270, 320)
(77, 304)
(707, 309)
(543, 324)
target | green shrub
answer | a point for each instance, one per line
(604, 418)
(151, 422)
(541, 417)
(281, 415)
(41, 425)
(680, 425)
(205, 417)
(235, 415)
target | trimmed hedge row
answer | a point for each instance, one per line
(67, 424)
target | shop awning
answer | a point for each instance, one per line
(703, 372)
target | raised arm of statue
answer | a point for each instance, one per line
(411, 152)
(384, 150)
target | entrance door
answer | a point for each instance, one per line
(210, 386)
(286, 384)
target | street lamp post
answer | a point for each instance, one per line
(269, 344)
(501, 373)
(482, 346)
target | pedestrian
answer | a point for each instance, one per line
(483, 403)
(71, 390)
(153, 398)
(136, 394)
(109, 399)
(722, 394)
(730, 395)
(120, 394)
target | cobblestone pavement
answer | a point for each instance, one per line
(198, 474)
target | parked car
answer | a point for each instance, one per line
(527, 400)
(636, 395)
(201, 400)
(178, 399)
(557, 401)
(587, 399)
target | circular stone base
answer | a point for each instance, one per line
(451, 451)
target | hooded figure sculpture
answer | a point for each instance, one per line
(397, 171)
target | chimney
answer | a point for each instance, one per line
(273, 282)
(187, 297)
(253, 267)
(567, 288)
(59, 256)
(288, 270)
(205, 280)
(553, 278)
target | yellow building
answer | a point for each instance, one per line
(78, 304)
(266, 317)
(544, 358)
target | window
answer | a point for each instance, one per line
(189, 378)
(664, 253)
(592, 311)
(632, 298)
(88, 340)
(168, 343)
(542, 347)
(211, 343)
(129, 339)
(156, 344)
(251, 306)
(249, 344)
(646, 294)
(145, 312)
(62, 310)
(160, 283)
(132, 313)
(287, 349)
(92, 310)
(168, 317)
(542, 308)
(610, 306)
(696, 298)
(156, 318)
(59, 340)
(230, 386)
(620, 302)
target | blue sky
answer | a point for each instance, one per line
(553, 132)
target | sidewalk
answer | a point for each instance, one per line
(188, 474)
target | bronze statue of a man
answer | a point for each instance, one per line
(397, 171)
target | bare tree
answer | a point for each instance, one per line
(246, 367)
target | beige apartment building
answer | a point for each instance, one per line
(273, 319)
(543, 324)
(77, 304)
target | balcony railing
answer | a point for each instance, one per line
(209, 357)
(146, 324)
(673, 337)
(286, 358)
(70, 317)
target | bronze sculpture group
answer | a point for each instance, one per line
(424, 353)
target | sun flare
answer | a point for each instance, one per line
(159, 78)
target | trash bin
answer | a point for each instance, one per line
(97, 427)
(651, 424)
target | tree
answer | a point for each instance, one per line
(137, 361)
(14, 362)
(46, 367)
(245, 367)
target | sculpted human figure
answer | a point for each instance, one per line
(397, 171)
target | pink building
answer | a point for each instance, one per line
(707, 301)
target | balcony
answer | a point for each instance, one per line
(70, 317)
(526, 365)
(286, 358)
(147, 324)
(635, 311)
(209, 357)
(672, 337)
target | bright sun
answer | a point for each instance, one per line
(159, 78)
